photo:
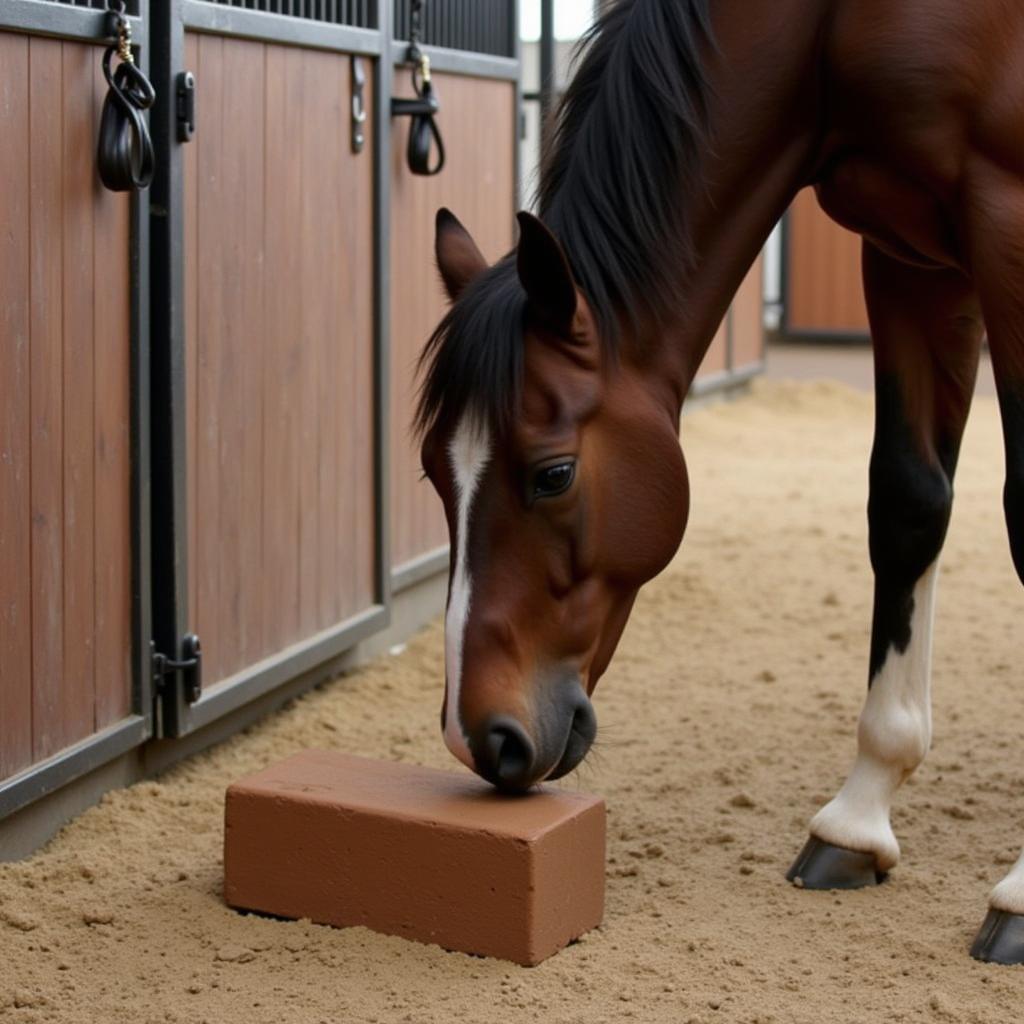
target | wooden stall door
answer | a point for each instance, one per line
(738, 343)
(478, 185)
(65, 447)
(824, 296)
(279, 351)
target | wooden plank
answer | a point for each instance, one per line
(364, 552)
(112, 438)
(312, 281)
(212, 272)
(822, 273)
(15, 498)
(330, 325)
(45, 156)
(247, 76)
(191, 183)
(715, 359)
(748, 318)
(228, 335)
(479, 188)
(282, 186)
(354, 391)
(78, 684)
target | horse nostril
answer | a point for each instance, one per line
(511, 755)
(582, 733)
(584, 723)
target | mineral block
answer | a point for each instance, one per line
(429, 855)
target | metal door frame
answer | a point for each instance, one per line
(175, 715)
(62, 21)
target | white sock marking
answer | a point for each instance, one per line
(469, 451)
(893, 737)
(1008, 895)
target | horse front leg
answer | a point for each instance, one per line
(995, 218)
(926, 332)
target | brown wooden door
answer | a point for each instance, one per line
(823, 293)
(66, 634)
(279, 352)
(478, 184)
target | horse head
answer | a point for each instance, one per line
(565, 490)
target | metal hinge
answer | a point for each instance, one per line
(185, 105)
(190, 665)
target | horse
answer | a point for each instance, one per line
(551, 390)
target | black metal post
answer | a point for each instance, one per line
(384, 74)
(548, 84)
(167, 297)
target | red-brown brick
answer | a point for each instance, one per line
(425, 854)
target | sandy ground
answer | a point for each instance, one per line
(727, 718)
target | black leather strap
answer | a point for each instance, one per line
(124, 154)
(424, 134)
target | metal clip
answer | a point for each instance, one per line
(190, 665)
(358, 106)
(124, 39)
(185, 100)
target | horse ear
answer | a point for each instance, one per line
(458, 258)
(544, 273)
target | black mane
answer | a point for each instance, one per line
(624, 155)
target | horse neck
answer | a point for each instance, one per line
(764, 130)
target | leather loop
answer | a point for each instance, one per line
(124, 154)
(424, 135)
(422, 131)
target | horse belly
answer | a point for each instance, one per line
(909, 84)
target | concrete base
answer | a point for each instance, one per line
(28, 829)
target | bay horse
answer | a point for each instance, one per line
(552, 389)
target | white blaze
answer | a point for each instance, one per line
(893, 737)
(469, 451)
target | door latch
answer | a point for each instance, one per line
(190, 665)
(185, 105)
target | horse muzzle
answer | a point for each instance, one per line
(513, 756)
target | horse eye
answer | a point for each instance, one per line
(554, 479)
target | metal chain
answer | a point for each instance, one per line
(415, 55)
(124, 31)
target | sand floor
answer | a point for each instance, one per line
(727, 718)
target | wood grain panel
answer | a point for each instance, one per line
(46, 362)
(15, 499)
(282, 352)
(279, 254)
(65, 502)
(241, 365)
(311, 289)
(477, 184)
(361, 452)
(823, 280)
(78, 698)
(112, 445)
(716, 357)
(211, 269)
(327, 235)
(748, 319)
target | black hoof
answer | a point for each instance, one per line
(824, 866)
(1001, 939)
